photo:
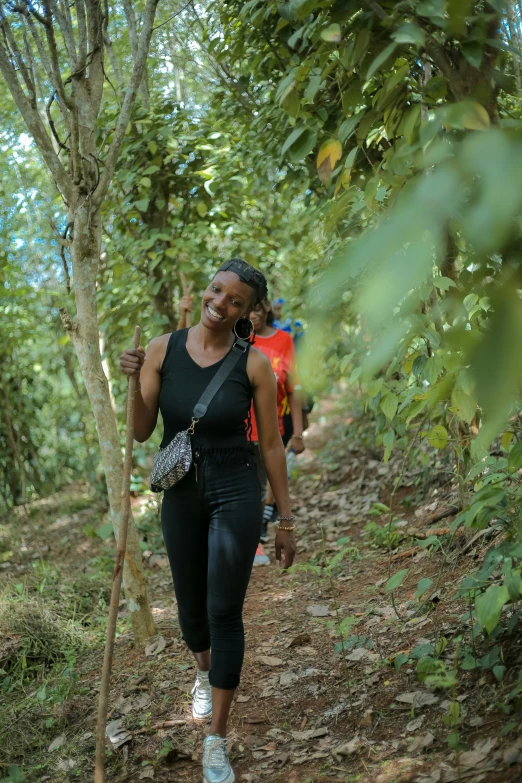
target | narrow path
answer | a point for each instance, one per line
(307, 710)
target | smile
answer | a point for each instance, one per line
(213, 314)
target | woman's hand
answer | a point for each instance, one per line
(285, 548)
(298, 444)
(186, 304)
(131, 361)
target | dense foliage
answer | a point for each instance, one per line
(368, 157)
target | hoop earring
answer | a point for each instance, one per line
(251, 331)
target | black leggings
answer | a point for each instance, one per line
(211, 525)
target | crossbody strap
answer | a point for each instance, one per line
(239, 348)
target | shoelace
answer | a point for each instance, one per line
(201, 690)
(215, 754)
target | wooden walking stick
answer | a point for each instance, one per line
(117, 576)
(187, 290)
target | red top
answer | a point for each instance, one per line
(280, 350)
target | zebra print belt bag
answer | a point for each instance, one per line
(172, 463)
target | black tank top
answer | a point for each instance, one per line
(222, 431)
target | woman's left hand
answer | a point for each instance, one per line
(285, 548)
(298, 444)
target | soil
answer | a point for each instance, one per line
(304, 712)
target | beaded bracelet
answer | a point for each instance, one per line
(287, 519)
(287, 529)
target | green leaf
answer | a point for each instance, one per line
(380, 60)
(488, 606)
(465, 115)
(445, 283)
(374, 387)
(438, 437)
(332, 33)
(411, 123)
(142, 204)
(424, 584)
(348, 126)
(499, 672)
(396, 580)
(399, 661)
(506, 439)
(104, 531)
(410, 33)
(152, 147)
(465, 405)
(515, 458)
(513, 583)
(389, 405)
(473, 52)
(201, 208)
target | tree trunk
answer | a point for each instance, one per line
(84, 331)
(514, 39)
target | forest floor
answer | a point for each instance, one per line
(330, 690)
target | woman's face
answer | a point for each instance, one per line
(226, 300)
(258, 316)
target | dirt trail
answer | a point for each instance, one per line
(306, 710)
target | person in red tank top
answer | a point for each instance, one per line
(278, 346)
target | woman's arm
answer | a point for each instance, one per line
(271, 447)
(147, 366)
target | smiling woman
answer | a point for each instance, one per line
(211, 519)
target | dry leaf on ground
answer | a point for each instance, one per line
(268, 660)
(318, 610)
(156, 646)
(56, 743)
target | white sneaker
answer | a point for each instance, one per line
(216, 766)
(201, 697)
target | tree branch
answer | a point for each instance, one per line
(55, 64)
(65, 23)
(133, 37)
(130, 95)
(82, 35)
(35, 127)
(17, 56)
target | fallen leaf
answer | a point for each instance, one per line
(318, 610)
(481, 749)
(117, 733)
(513, 753)
(413, 725)
(66, 765)
(147, 773)
(297, 641)
(280, 760)
(367, 718)
(243, 699)
(254, 719)
(56, 743)
(421, 742)
(156, 646)
(348, 749)
(357, 654)
(288, 678)
(417, 698)
(267, 660)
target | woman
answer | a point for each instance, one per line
(278, 347)
(211, 519)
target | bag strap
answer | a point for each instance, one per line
(239, 348)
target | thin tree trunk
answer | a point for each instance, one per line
(14, 442)
(84, 333)
(515, 39)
